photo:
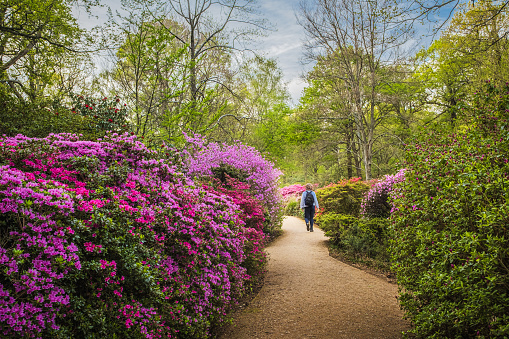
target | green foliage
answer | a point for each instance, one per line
(38, 119)
(335, 224)
(293, 209)
(357, 237)
(343, 198)
(39, 40)
(103, 114)
(88, 116)
(224, 171)
(450, 246)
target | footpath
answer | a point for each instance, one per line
(308, 294)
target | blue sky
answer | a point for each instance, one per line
(285, 44)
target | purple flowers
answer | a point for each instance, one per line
(115, 227)
(376, 201)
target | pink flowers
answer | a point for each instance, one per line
(292, 191)
(92, 248)
(114, 224)
(376, 202)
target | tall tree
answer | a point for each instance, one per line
(35, 32)
(466, 55)
(150, 73)
(362, 37)
(210, 28)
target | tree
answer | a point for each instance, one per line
(150, 73)
(263, 102)
(210, 31)
(439, 12)
(465, 56)
(34, 31)
(362, 37)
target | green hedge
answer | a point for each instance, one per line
(451, 236)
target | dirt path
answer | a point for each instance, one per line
(308, 294)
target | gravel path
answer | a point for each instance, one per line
(308, 294)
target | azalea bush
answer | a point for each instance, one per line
(450, 216)
(252, 215)
(342, 198)
(110, 238)
(292, 192)
(375, 203)
(104, 114)
(291, 196)
(204, 158)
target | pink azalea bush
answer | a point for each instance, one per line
(252, 214)
(375, 203)
(111, 237)
(292, 191)
(202, 157)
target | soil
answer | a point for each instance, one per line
(308, 294)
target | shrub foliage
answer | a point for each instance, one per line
(450, 246)
(357, 237)
(342, 198)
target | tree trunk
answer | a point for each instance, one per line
(349, 151)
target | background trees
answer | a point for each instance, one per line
(361, 40)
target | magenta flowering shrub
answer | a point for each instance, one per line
(375, 203)
(292, 191)
(263, 178)
(109, 238)
(252, 214)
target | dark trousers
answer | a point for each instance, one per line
(309, 215)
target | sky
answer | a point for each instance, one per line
(284, 43)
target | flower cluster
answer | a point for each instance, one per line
(292, 191)
(202, 158)
(114, 230)
(252, 214)
(375, 203)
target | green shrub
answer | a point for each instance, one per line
(334, 225)
(87, 116)
(293, 209)
(344, 198)
(357, 237)
(38, 119)
(451, 241)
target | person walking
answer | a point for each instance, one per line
(309, 203)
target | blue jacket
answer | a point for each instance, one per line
(302, 204)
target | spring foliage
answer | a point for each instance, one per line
(450, 217)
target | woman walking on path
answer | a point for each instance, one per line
(309, 203)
